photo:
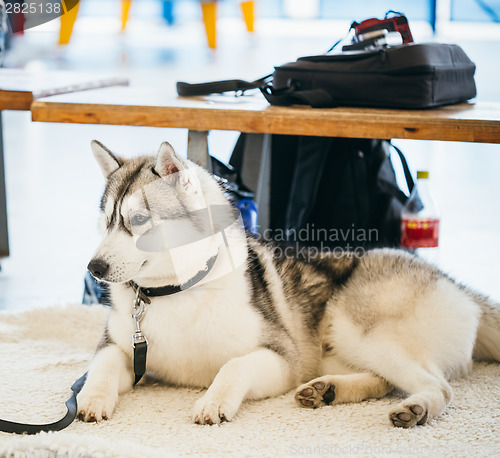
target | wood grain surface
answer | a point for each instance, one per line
(467, 122)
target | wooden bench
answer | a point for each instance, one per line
(18, 89)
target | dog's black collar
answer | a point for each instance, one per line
(146, 293)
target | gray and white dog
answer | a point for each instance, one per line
(248, 323)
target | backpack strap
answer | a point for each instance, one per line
(316, 98)
(218, 87)
(386, 178)
(71, 405)
(408, 176)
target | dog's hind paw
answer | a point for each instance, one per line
(316, 393)
(94, 407)
(406, 416)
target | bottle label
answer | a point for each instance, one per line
(419, 233)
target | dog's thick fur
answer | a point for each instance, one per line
(260, 324)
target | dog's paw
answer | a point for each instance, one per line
(406, 416)
(211, 410)
(316, 393)
(94, 406)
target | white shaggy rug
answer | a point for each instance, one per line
(43, 351)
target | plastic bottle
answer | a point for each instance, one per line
(420, 221)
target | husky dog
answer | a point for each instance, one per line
(247, 322)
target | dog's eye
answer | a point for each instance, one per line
(139, 220)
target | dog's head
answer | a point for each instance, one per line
(162, 218)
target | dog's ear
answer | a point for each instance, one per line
(167, 162)
(105, 158)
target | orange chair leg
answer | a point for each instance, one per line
(125, 10)
(209, 11)
(248, 9)
(68, 19)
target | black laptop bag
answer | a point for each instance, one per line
(406, 76)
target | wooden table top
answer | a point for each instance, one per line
(156, 107)
(18, 88)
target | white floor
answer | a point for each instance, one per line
(53, 185)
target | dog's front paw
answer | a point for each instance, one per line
(95, 405)
(212, 410)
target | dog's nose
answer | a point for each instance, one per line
(98, 268)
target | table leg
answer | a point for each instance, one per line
(198, 149)
(256, 173)
(4, 235)
(255, 169)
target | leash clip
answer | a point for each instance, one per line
(138, 311)
(138, 338)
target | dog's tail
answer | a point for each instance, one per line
(487, 346)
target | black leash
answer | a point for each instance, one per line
(139, 342)
(24, 428)
(143, 296)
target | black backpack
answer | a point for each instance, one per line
(334, 192)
